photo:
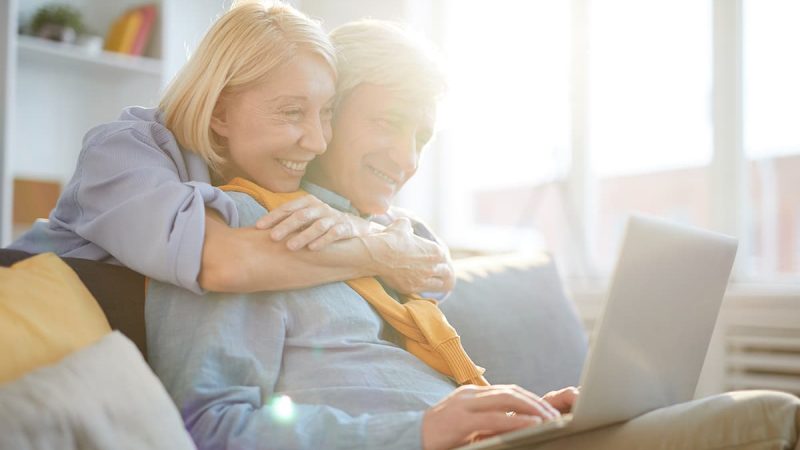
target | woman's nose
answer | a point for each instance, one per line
(314, 138)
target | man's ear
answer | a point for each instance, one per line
(219, 117)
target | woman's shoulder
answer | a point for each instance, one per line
(134, 123)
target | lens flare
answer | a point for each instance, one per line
(282, 409)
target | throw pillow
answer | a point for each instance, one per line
(46, 313)
(102, 397)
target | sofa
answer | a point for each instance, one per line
(511, 312)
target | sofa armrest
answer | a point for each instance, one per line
(516, 321)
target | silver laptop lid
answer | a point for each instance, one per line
(662, 306)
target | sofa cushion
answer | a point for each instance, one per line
(103, 396)
(516, 321)
(118, 290)
(46, 313)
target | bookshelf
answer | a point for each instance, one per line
(57, 53)
(52, 93)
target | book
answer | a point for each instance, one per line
(143, 36)
(123, 31)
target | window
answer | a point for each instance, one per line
(504, 124)
(649, 115)
(771, 70)
(518, 171)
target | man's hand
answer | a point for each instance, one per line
(408, 263)
(311, 223)
(562, 399)
(473, 411)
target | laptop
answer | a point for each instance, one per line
(651, 341)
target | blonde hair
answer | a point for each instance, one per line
(380, 52)
(241, 49)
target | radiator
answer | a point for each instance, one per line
(756, 343)
(762, 342)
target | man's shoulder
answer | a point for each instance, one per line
(248, 208)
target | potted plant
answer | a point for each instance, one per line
(57, 22)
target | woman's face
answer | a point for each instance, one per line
(273, 129)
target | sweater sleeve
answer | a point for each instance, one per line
(132, 202)
(235, 417)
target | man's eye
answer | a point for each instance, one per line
(384, 123)
(294, 113)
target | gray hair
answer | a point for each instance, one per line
(381, 53)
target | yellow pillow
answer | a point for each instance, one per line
(46, 313)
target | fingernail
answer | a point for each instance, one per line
(260, 225)
(276, 235)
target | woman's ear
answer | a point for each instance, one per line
(219, 118)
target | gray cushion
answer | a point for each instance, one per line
(103, 396)
(515, 320)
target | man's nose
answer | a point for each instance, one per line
(404, 154)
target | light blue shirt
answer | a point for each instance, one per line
(228, 360)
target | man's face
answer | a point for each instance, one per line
(377, 139)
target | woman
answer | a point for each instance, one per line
(142, 186)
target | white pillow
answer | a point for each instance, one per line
(103, 396)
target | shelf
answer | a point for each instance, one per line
(32, 47)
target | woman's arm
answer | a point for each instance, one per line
(248, 260)
(137, 197)
(307, 222)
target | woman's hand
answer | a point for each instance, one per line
(408, 263)
(480, 411)
(311, 223)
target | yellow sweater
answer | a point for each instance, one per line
(426, 332)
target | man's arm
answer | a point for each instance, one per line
(236, 417)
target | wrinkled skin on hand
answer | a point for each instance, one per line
(407, 262)
(311, 223)
(404, 261)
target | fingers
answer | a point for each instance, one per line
(563, 399)
(322, 227)
(479, 411)
(442, 279)
(505, 398)
(337, 232)
(491, 423)
(277, 215)
(303, 219)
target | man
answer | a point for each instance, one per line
(318, 367)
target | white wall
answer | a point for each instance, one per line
(55, 106)
(7, 55)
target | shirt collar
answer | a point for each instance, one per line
(331, 198)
